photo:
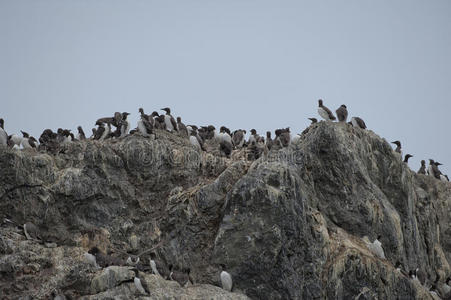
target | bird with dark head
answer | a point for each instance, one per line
(324, 112)
(422, 169)
(406, 158)
(398, 144)
(314, 120)
(342, 113)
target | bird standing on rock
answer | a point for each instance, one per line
(3, 134)
(226, 279)
(169, 120)
(342, 113)
(324, 112)
(358, 122)
(422, 169)
(406, 158)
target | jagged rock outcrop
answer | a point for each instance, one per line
(289, 225)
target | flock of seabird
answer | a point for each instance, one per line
(228, 141)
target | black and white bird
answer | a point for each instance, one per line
(422, 169)
(81, 134)
(324, 112)
(238, 138)
(169, 120)
(269, 142)
(226, 279)
(125, 124)
(225, 141)
(3, 134)
(182, 277)
(358, 122)
(253, 137)
(158, 267)
(181, 127)
(406, 158)
(141, 285)
(398, 146)
(342, 113)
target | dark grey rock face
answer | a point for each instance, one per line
(290, 225)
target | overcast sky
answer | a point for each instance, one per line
(240, 63)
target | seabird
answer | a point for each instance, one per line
(158, 267)
(269, 141)
(399, 268)
(140, 285)
(181, 277)
(181, 127)
(421, 275)
(422, 169)
(99, 131)
(91, 259)
(3, 134)
(446, 288)
(314, 120)
(433, 169)
(132, 262)
(81, 134)
(144, 124)
(105, 260)
(398, 147)
(31, 231)
(195, 140)
(125, 124)
(15, 139)
(443, 177)
(169, 121)
(226, 279)
(358, 122)
(342, 113)
(225, 144)
(238, 138)
(406, 158)
(254, 137)
(324, 112)
(376, 248)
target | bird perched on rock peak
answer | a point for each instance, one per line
(342, 113)
(324, 112)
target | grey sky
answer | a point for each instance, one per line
(243, 64)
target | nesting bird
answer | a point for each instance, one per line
(376, 248)
(3, 134)
(406, 158)
(169, 120)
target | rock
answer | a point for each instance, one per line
(111, 277)
(289, 225)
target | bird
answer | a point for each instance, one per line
(376, 247)
(181, 127)
(141, 285)
(443, 177)
(81, 134)
(269, 141)
(238, 138)
(398, 146)
(225, 144)
(324, 112)
(31, 231)
(399, 268)
(195, 140)
(283, 137)
(433, 169)
(132, 261)
(226, 279)
(105, 260)
(314, 120)
(169, 121)
(146, 123)
(158, 267)
(421, 275)
(125, 124)
(422, 169)
(342, 113)
(406, 158)
(182, 277)
(3, 134)
(253, 137)
(91, 259)
(358, 122)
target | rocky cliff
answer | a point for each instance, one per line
(290, 225)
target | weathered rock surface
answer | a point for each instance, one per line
(287, 226)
